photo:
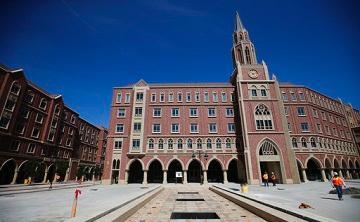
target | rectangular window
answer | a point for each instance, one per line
(335, 132)
(127, 98)
(232, 97)
(197, 97)
(35, 133)
(118, 98)
(194, 128)
(71, 131)
(153, 97)
(223, 97)
(139, 97)
(162, 97)
(179, 97)
(215, 97)
(289, 127)
(323, 114)
(25, 113)
(15, 145)
(193, 112)
(175, 112)
(264, 124)
(39, 118)
(319, 128)
(138, 111)
(43, 104)
(254, 92)
(315, 113)
(156, 128)
(211, 112)
(231, 127)
(5, 120)
(206, 97)
(304, 127)
(301, 111)
(175, 128)
(136, 143)
(229, 112)
(137, 127)
(20, 128)
(327, 130)
(331, 118)
(121, 113)
(212, 128)
(119, 128)
(31, 148)
(171, 97)
(263, 92)
(157, 112)
(293, 96)
(188, 97)
(284, 96)
(301, 96)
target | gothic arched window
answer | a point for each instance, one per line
(303, 142)
(151, 144)
(228, 143)
(161, 144)
(199, 144)
(170, 144)
(247, 54)
(189, 143)
(312, 142)
(180, 144)
(294, 143)
(208, 144)
(263, 118)
(268, 148)
(218, 143)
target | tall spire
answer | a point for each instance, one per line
(238, 24)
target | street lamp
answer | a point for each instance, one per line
(200, 152)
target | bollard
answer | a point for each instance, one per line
(244, 188)
(74, 205)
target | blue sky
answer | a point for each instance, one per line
(82, 49)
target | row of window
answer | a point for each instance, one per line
(323, 143)
(10, 104)
(31, 149)
(175, 112)
(305, 128)
(175, 128)
(179, 97)
(170, 143)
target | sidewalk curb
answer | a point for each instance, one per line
(263, 208)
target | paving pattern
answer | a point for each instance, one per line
(160, 208)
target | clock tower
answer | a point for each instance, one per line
(265, 137)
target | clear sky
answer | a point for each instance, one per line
(82, 49)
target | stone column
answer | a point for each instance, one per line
(332, 172)
(164, 177)
(82, 178)
(323, 175)
(15, 176)
(67, 175)
(126, 177)
(304, 175)
(225, 177)
(185, 177)
(347, 174)
(341, 174)
(93, 178)
(205, 177)
(45, 175)
(145, 178)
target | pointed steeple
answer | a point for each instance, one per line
(238, 24)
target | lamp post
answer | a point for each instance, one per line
(200, 153)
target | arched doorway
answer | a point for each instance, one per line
(136, 173)
(27, 169)
(155, 173)
(115, 171)
(40, 173)
(328, 168)
(215, 172)
(7, 172)
(313, 171)
(233, 173)
(270, 160)
(300, 168)
(175, 166)
(194, 172)
(344, 168)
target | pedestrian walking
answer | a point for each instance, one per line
(266, 179)
(273, 178)
(337, 183)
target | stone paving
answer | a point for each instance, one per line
(160, 208)
(316, 194)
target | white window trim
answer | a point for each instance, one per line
(154, 112)
(216, 127)
(215, 113)
(197, 112)
(152, 128)
(197, 127)
(118, 95)
(32, 133)
(172, 128)
(118, 112)
(177, 110)
(123, 128)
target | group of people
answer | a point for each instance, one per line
(266, 179)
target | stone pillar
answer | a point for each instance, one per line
(304, 175)
(225, 177)
(45, 175)
(347, 174)
(323, 175)
(67, 175)
(205, 177)
(15, 176)
(145, 178)
(93, 178)
(82, 178)
(341, 174)
(126, 176)
(185, 177)
(164, 177)
(332, 172)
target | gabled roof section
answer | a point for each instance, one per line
(141, 83)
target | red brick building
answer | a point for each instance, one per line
(40, 135)
(220, 132)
